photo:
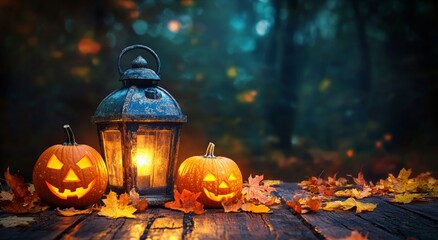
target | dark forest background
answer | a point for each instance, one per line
(286, 88)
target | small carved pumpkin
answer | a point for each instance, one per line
(71, 174)
(217, 178)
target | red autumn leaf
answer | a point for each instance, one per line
(313, 203)
(360, 181)
(295, 205)
(186, 202)
(255, 190)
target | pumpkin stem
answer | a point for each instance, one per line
(210, 151)
(69, 136)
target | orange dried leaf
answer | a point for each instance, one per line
(23, 200)
(255, 190)
(232, 205)
(360, 181)
(137, 202)
(295, 204)
(313, 203)
(355, 235)
(255, 208)
(186, 202)
(69, 212)
(17, 185)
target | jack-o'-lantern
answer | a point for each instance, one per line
(217, 178)
(71, 174)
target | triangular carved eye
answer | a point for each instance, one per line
(84, 163)
(209, 178)
(232, 177)
(54, 163)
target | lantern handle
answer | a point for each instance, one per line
(132, 47)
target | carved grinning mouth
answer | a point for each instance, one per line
(219, 198)
(78, 192)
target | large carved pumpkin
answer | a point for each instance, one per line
(217, 178)
(71, 174)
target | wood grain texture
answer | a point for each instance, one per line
(47, 226)
(385, 222)
(388, 221)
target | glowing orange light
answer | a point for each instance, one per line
(387, 137)
(88, 46)
(127, 4)
(378, 144)
(247, 97)
(350, 153)
(174, 26)
(134, 14)
(186, 3)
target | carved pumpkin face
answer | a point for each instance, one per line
(218, 178)
(70, 175)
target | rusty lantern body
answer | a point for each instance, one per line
(139, 127)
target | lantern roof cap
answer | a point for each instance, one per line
(137, 104)
(139, 69)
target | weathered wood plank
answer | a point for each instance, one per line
(400, 221)
(281, 224)
(428, 210)
(48, 225)
(94, 227)
(386, 222)
(167, 224)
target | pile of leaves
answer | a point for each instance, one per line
(320, 193)
(20, 197)
(255, 197)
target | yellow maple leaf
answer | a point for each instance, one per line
(408, 197)
(255, 208)
(115, 208)
(68, 212)
(358, 194)
(349, 204)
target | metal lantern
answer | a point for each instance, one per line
(139, 127)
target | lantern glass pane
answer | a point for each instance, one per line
(151, 156)
(112, 145)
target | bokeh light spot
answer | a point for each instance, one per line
(174, 26)
(140, 27)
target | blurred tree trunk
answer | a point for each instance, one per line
(364, 71)
(280, 87)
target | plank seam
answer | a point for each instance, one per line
(188, 224)
(70, 228)
(151, 220)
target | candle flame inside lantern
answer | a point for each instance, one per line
(144, 164)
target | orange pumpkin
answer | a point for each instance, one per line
(71, 174)
(217, 178)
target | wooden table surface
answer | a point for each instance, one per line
(388, 221)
